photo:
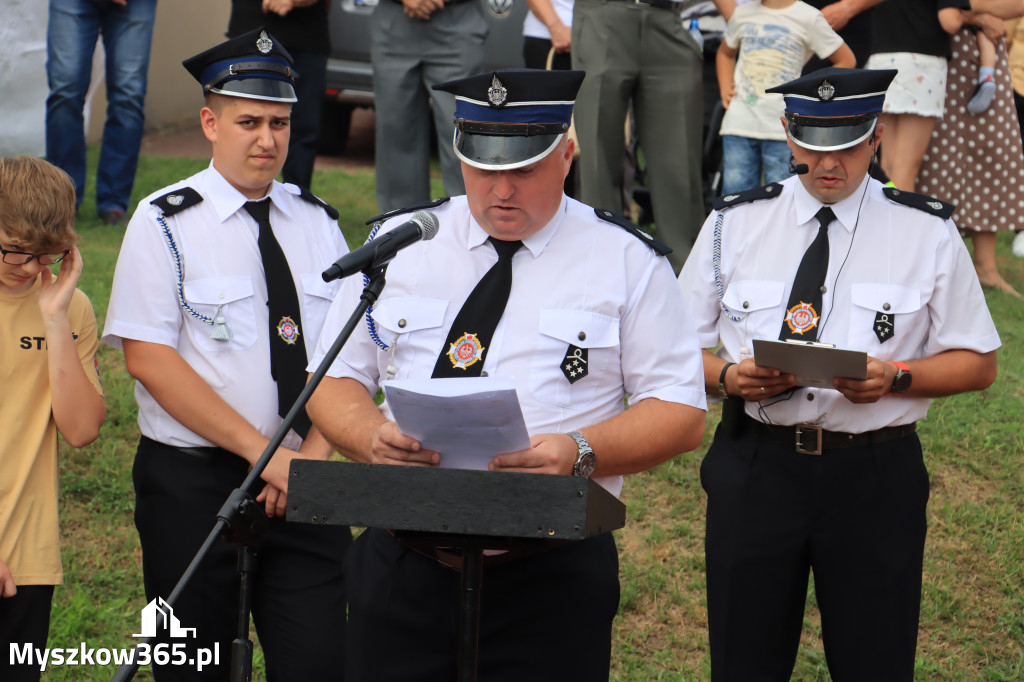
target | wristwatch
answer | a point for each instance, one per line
(585, 460)
(901, 382)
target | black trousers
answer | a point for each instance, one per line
(299, 594)
(543, 617)
(305, 120)
(855, 517)
(24, 619)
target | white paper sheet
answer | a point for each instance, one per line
(467, 420)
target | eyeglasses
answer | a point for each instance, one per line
(23, 258)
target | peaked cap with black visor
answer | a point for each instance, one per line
(254, 65)
(511, 118)
(832, 109)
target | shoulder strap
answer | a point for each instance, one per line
(920, 202)
(769, 191)
(177, 200)
(409, 209)
(659, 247)
(314, 199)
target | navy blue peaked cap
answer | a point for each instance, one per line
(834, 108)
(512, 117)
(254, 65)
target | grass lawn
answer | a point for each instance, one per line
(972, 624)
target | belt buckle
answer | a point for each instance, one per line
(800, 430)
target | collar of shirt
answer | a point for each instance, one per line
(846, 210)
(535, 242)
(227, 200)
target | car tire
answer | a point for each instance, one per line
(335, 121)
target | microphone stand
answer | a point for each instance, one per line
(242, 520)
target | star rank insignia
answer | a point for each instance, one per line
(574, 364)
(884, 326)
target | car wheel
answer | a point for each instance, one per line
(335, 121)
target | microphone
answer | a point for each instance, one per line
(798, 168)
(380, 251)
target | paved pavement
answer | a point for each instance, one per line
(191, 143)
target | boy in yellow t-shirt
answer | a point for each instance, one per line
(49, 382)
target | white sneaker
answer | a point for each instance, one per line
(1018, 245)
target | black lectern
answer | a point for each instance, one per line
(468, 510)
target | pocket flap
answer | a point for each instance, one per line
(218, 290)
(410, 313)
(580, 328)
(314, 285)
(749, 295)
(886, 298)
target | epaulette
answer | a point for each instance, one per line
(314, 199)
(177, 200)
(920, 202)
(769, 191)
(660, 248)
(410, 209)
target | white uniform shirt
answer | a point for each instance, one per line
(577, 274)
(883, 257)
(221, 267)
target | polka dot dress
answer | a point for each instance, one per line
(976, 162)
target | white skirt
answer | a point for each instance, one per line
(919, 87)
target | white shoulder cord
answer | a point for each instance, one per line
(218, 322)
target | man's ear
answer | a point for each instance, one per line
(208, 120)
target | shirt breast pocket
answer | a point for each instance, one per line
(414, 327)
(889, 309)
(755, 300)
(597, 337)
(232, 297)
(317, 298)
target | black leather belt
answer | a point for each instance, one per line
(811, 439)
(660, 4)
(208, 454)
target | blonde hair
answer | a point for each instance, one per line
(37, 205)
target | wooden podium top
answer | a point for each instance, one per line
(451, 501)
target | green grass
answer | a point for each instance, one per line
(972, 621)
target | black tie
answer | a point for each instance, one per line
(471, 332)
(804, 310)
(287, 349)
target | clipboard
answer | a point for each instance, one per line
(813, 364)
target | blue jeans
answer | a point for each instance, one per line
(744, 159)
(71, 38)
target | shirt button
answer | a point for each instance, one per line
(582, 336)
(401, 324)
(220, 295)
(483, 373)
(746, 304)
(886, 306)
(810, 396)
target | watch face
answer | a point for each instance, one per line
(902, 382)
(585, 465)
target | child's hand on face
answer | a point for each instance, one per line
(55, 294)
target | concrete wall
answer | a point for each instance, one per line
(183, 28)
